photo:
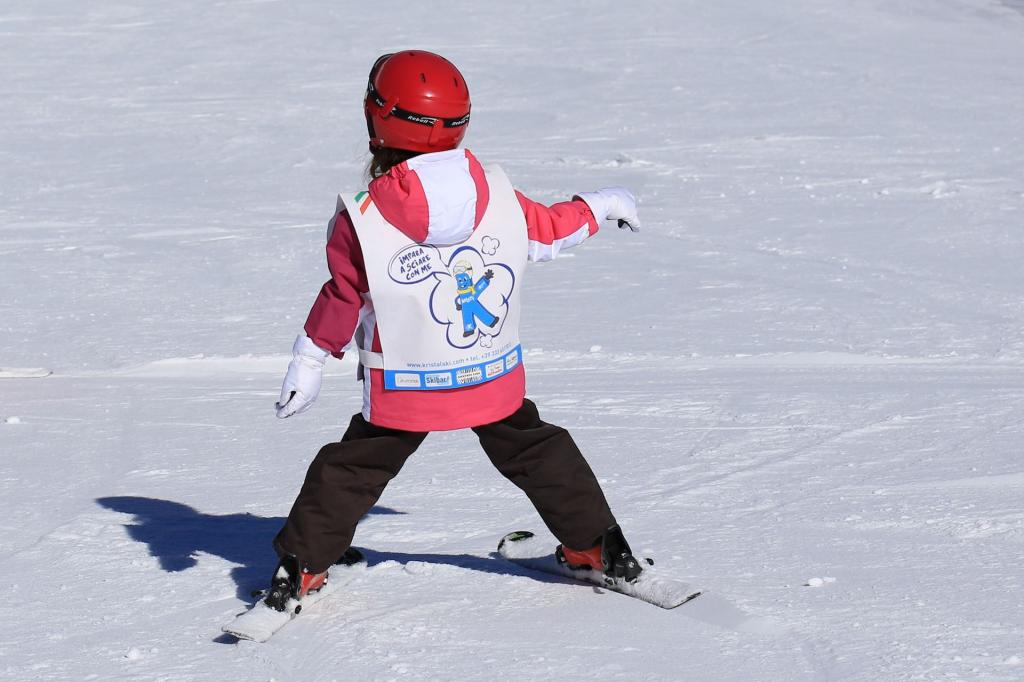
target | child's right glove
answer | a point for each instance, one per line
(302, 383)
(613, 203)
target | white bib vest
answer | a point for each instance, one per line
(447, 316)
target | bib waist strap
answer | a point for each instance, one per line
(370, 359)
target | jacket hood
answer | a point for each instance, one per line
(437, 198)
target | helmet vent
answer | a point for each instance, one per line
(423, 77)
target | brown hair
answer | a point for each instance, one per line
(384, 159)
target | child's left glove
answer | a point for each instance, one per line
(613, 203)
(302, 382)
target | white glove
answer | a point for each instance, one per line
(613, 203)
(302, 383)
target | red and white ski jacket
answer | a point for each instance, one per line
(343, 313)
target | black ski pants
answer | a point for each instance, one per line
(347, 478)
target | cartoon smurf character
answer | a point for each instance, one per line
(467, 299)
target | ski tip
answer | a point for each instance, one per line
(241, 635)
(515, 536)
(689, 598)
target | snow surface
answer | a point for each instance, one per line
(809, 363)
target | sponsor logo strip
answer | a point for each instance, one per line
(469, 375)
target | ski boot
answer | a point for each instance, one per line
(613, 557)
(291, 581)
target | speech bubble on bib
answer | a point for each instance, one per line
(416, 263)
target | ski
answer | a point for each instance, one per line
(526, 549)
(260, 622)
(24, 372)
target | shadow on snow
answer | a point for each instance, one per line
(176, 533)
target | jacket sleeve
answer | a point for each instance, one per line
(553, 228)
(335, 315)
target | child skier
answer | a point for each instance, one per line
(438, 345)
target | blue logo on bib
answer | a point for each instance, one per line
(470, 294)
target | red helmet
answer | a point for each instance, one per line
(416, 101)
